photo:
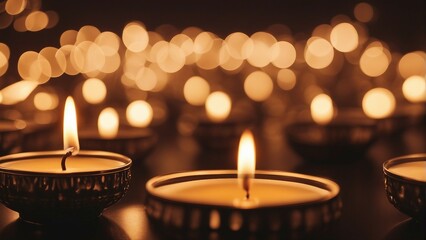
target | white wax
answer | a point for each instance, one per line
(227, 192)
(414, 170)
(53, 164)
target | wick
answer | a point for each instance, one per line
(246, 185)
(247, 195)
(64, 158)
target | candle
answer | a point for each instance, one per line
(63, 186)
(245, 200)
(405, 184)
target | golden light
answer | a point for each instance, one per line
(211, 58)
(94, 90)
(262, 43)
(56, 59)
(413, 63)
(108, 123)
(344, 37)
(286, 79)
(44, 101)
(4, 49)
(70, 132)
(364, 12)
(15, 7)
(87, 57)
(283, 54)
(66, 50)
(238, 45)
(374, 60)
(109, 42)
(414, 89)
(17, 92)
(68, 37)
(135, 37)
(53, 19)
(146, 79)
(322, 110)
(4, 58)
(161, 76)
(258, 86)
(87, 33)
(196, 90)
(227, 61)
(33, 66)
(6, 20)
(203, 42)
(112, 63)
(36, 21)
(170, 58)
(139, 113)
(218, 106)
(378, 103)
(246, 160)
(319, 53)
(184, 42)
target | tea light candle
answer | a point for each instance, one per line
(243, 201)
(405, 183)
(63, 186)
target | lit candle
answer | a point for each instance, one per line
(55, 186)
(251, 195)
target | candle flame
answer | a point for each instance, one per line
(108, 123)
(70, 133)
(246, 160)
(322, 109)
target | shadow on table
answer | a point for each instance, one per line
(412, 229)
(103, 228)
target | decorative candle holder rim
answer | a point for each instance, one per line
(59, 153)
(171, 178)
(403, 159)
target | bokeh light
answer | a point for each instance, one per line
(378, 103)
(94, 90)
(413, 63)
(36, 21)
(319, 53)
(218, 106)
(258, 86)
(364, 12)
(374, 60)
(196, 90)
(108, 123)
(139, 113)
(283, 54)
(135, 37)
(15, 7)
(414, 89)
(322, 109)
(17, 92)
(344, 37)
(286, 79)
(261, 45)
(45, 101)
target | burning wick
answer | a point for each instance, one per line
(64, 158)
(246, 186)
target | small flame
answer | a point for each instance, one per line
(246, 160)
(322, 109)
(108, 123)
(70, 127)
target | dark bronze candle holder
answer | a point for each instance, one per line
(406, 193)
(192, 219)
(57, 197)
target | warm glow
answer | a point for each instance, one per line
(283, 54)
(218, 106)
(170, 58)
(196, 90)
(17, 92)
(109, 42)
(33, 66)
(260, 45)
(139, 113)
(364, 12)
(68, 37)
(146, 79)
(94, 90)
(135, 37)
(36, 21)
(87, 57)
(286, 79)
(246, 159)
(238, 45)
(66, 50)
(44, 101)
(414, 89)
(87, 33)
(413, 63)
(258, 86)
(319, 53)
(108, 123)
(15, 7)
(4, 58)
(203, 42)
(378, 103)
(322, 109)
(70, 133)
(56, 60)
(374, 61)
(211, 58)
(344, 37)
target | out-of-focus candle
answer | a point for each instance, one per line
(322, 109)
(218, 106)
(108, 123)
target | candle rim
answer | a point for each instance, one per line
(58, 154)
(172, 178)
(419, 157)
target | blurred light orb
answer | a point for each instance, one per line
(36, 21)
(283, 54)
(319, 53)
(44, 101)
(378, 103)
(414, 89)
(374, 61)
(196, 90)
(286, 79)
(364, 12)
(139, 113)
(218, 106)
(15, 7)
(135, 37)
(258, 86)
(238, 45)
(94, 90)
(322, 110)
(261, 45)
(344, 37)
(108, 123)
(413, 63)
(56, 59)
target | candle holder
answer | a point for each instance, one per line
(343, 139)
(10, 137)
(405, 184)
(193, 217)
(136, 143)
(49, 197)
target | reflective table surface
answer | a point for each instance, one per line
(367, 214)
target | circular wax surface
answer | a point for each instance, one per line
(415, 170)
(74, 164)
(227, 192)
